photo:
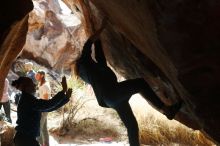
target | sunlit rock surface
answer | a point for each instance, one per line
(54, 39)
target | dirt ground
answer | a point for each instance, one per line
(92, 125)
(90, 128)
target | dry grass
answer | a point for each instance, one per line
(93, 122)
(90, 121)
(156, 129)
(83, 120)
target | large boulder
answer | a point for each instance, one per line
(7, 132)
(13, 30)
(173, 44)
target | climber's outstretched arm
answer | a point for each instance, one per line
(88, 44)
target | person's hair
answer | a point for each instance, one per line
(15, 83)
(43, 79)
(26, 83)
(28, 64)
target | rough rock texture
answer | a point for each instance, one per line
(7, 132)
(13, 29)
(172, 44)
(54, 39)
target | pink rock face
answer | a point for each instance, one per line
(106, 139)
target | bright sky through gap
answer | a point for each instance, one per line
(65, 9)
(68, 18)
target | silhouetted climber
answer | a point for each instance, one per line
(29, 110)
(113, 94)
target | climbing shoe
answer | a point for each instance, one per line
(170, 111)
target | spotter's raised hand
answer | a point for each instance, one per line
(64, 84)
